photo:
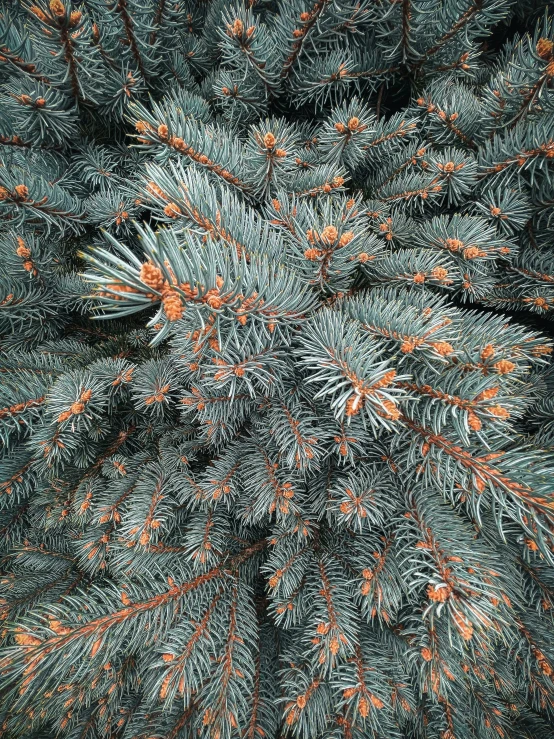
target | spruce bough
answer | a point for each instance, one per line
(276, 409)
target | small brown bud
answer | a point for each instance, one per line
(57, 8)
(22, 191)
(39, 13)
(544, 48)
(346, 238)
(312, 254)
(237, 27)
(151, 276)
(269, 140)
(172, 210)
(329, 235)
(504, 366)
(22, 251)
(439, 273)
(173, 307)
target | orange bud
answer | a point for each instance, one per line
(269, 140)
(439, 273)
(39, 13)
(237, 27)
(454, 244)
(23, 251)
(151, 276)
(125, 599)
(329, 235)
(144, 538)
(464, 626)
(346, 238)
(544, 48)
(25, 639)
(438, 594)
(499, 411)
(472, 252)
(164, 687)
(312, 254)
(22, 191)
(487, 352)
(172, 210)
(57, 8)
(377, 702)
(504, 367)
(443, 348)
(353, 405)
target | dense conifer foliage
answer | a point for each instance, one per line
(277, 400)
